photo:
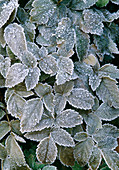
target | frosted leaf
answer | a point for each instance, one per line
(18, 138)
(32, 78)
(80, 5)
(94, 82)
(66, 156)
(92, 60)
(49, 168)
(105, 112)
(4, 128)
(29, 30)
(113, 47)
(43, 89)
(64, 89)
(15, 105)
(29, 5)
(111, 158)
(16, 127)
(108, 91)
(109, 17)
(81, 98)
(28, 59)
(64, 32)
(46, 151)
(2, 81)
(3, 152)
(82, 44)
(106, 131)
(15, 38)
(2, 40)
(48, 65)
(81, 136)
(32, 113)
(34, 49)
(115, 1)
(60, 103)
(62, 137)
(83, 151)
(68, 118)
(14, 151)
(38, 135)
(2, 113)
(62, 77)
(6, 10)
(4, 66)
(16, 74)
(91, 22)
(93, 122)
(42, 11)
(108, 143)
(109, 70)
(95, 159)
(48, 102)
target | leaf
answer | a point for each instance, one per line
(14, 152)
(2, 40)
(115, 1)
(81, 136)
(66, 156)
(32, 78)
(68, 118)
(113, 46)
(64, 89)
(48, 65)
(107, 130)
(32, 114)
(16, 74)
(38, 135)
(28, 59)
(59, 102)
(101, 3)
(2, 113)
(61, 137)
(95, 159)
(49, 168)
(82, 44)
(15, 105)
(80, 5)
(91, 22)
(34, 49)
(18, 138)
(46, 151)
(15, 38)
(6, 10)
(3, 152)
(81, 98)
(43, 89)
(111, 158)
(83, 151)
(93, 123)
(5, 65)
(94, 81)
(2, 81)
(15, 125)
(48, 101)
(42, 11)
(108, 91)
(4, 128)
(108, 143)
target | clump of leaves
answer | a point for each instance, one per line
(57, 92)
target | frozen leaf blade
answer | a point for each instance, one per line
(4, 66)
(4, 128)
(83, 151)
(42, 89)
(68, 118)
(46, 151)
(81, 98)
(32, 113)
(32, 78)
(15, 38)
(59, 102)
(49, 168)
(3, 152)
(81, 136)
(16, 74)
(61, 137)
(94, 81)
(15, 105)
(48, 101)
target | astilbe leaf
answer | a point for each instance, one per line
(46, 151)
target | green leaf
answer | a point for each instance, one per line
(4, 128)
(83, 151)
(16, 74)
(46, 151)
(109, 92)
(101, 3)
(81, 98)
(32, 113)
